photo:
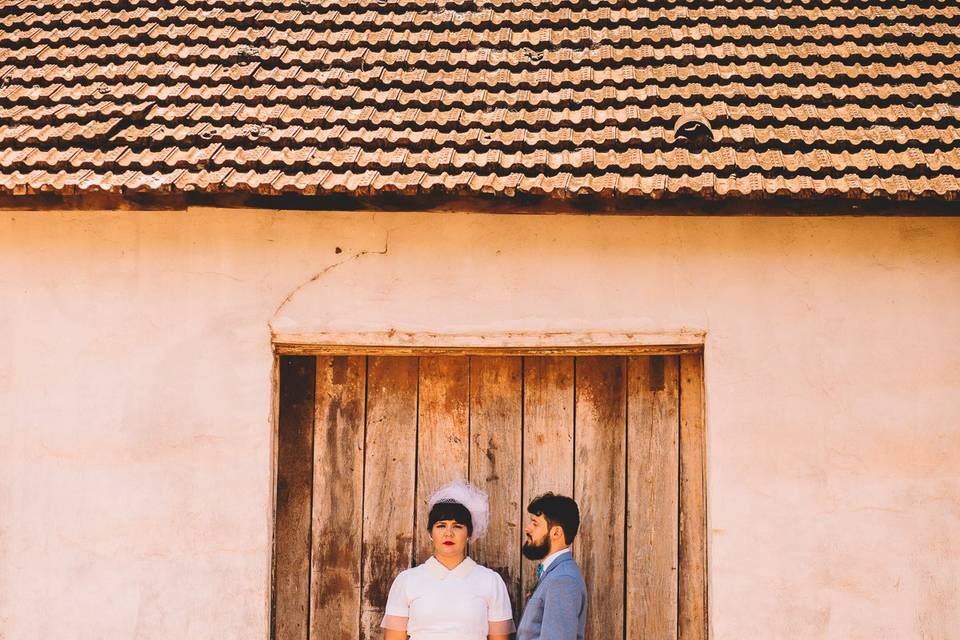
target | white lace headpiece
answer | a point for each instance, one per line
(472, 498)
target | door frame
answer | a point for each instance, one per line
(693, 553)
(547, 343)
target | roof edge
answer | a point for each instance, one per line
(685, 205)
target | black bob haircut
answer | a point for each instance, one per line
(450, 510)
(558, 511)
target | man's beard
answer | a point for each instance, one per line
(536, 551)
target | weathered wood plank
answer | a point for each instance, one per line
(337, 497)
(652, 488)
(442, 436)
(693, 505)
(389, 482)
(496, 423)
(357, 344)
(547, 438)
(599, 488)
(516, 343)
(291, 555)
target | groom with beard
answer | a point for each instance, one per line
(557, 610)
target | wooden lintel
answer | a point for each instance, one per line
(381, 350)
(508, 343)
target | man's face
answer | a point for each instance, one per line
(536, 546)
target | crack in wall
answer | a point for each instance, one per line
(325, 271)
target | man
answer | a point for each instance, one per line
(557, 610)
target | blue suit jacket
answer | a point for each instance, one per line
(557, 610)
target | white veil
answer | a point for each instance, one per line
(475, 500)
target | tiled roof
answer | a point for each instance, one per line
(647, 98)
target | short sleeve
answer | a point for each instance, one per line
(500, 614)
(398, 607)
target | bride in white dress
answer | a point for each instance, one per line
(450, 597)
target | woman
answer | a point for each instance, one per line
(450, 597)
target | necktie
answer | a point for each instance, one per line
(539, 570)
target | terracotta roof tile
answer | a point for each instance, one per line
(797, 98)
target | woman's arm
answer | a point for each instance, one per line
(498, 607)
(500, 630)
(396, 612)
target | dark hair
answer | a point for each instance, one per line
(558, 511)
(449, 510)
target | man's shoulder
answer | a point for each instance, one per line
(567, 572)
(566, 565)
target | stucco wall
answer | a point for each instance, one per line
(135, 397)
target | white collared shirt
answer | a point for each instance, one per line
(432, 602)
(546, 562)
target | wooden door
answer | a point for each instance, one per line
(364, 440)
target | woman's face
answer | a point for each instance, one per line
(449, 538)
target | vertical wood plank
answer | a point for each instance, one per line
(652, 492)
(693, 506)
(291, 554)
(442, 435)
(599, 488)
(389, 482)
(496, 424)
(337, 497)
(547, 439)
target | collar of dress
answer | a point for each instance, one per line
(441, 572)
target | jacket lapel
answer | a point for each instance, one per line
(566, 557)
(561, 559)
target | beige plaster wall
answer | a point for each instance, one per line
(135, 397)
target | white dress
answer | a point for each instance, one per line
(431, 602)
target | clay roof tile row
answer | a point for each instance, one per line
(790, 98)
